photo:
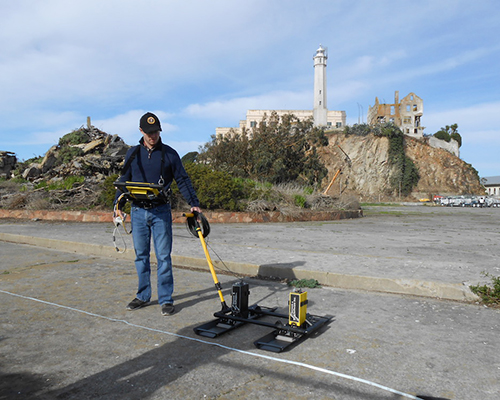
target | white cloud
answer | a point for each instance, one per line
(478, 121)
(235, 109)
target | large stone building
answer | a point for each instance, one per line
(320, 114)
(406, 114)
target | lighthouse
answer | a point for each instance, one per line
(320, 112)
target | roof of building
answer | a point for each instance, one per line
(492, 180)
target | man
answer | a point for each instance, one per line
(156, 163)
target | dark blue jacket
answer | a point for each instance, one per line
(146, 167)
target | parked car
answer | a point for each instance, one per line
(492, 202)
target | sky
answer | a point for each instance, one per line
(202, 64)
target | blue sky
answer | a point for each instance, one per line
(201, 64)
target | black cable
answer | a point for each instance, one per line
(235, 274)
(205, 229)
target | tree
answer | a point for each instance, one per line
(229, 153)
(278, 150)
(189, 157)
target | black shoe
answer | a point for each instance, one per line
(167, 309)
(136, 304)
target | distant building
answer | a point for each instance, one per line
(492, 185)
(405, 114)
(320, 114)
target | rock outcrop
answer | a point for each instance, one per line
(369, 172)
(99, 156)
(8, 162)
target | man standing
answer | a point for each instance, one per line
(156, 163)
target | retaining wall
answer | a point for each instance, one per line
(212, 216)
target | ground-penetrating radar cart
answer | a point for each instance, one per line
(299, 326)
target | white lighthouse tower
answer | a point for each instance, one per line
(320, 112)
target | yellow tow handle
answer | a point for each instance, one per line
(209, 259)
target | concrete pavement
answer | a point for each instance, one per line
(65, 333)
(425, 251)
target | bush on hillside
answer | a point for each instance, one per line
(277, 150)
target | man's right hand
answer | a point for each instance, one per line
(119, 213)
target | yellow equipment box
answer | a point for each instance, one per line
(297, 308)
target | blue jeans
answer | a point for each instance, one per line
(156, 222)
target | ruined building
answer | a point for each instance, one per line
(405, 114)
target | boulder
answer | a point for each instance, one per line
(49, 160)
(8, 162)
(32, 172)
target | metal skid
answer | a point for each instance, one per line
(282, 336)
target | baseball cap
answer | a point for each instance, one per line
(150, 123)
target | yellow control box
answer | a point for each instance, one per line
(297, 308)
(140, 191)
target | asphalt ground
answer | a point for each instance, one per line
(65, 333)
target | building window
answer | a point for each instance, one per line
(392, 110)
(408, 108)
(415, 108)
(253, 124)
(338, 125)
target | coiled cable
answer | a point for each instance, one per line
(202, 221)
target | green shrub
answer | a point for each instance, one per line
(66, 184)
(488, 294)
(299, 200)
(75, 137)
(108, 191)
(308, 283)
(406, 175)
(68, 153)
(216, 189)
(358, 129)
(442, 135)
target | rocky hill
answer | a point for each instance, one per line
(369, 172)
(74, 170)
